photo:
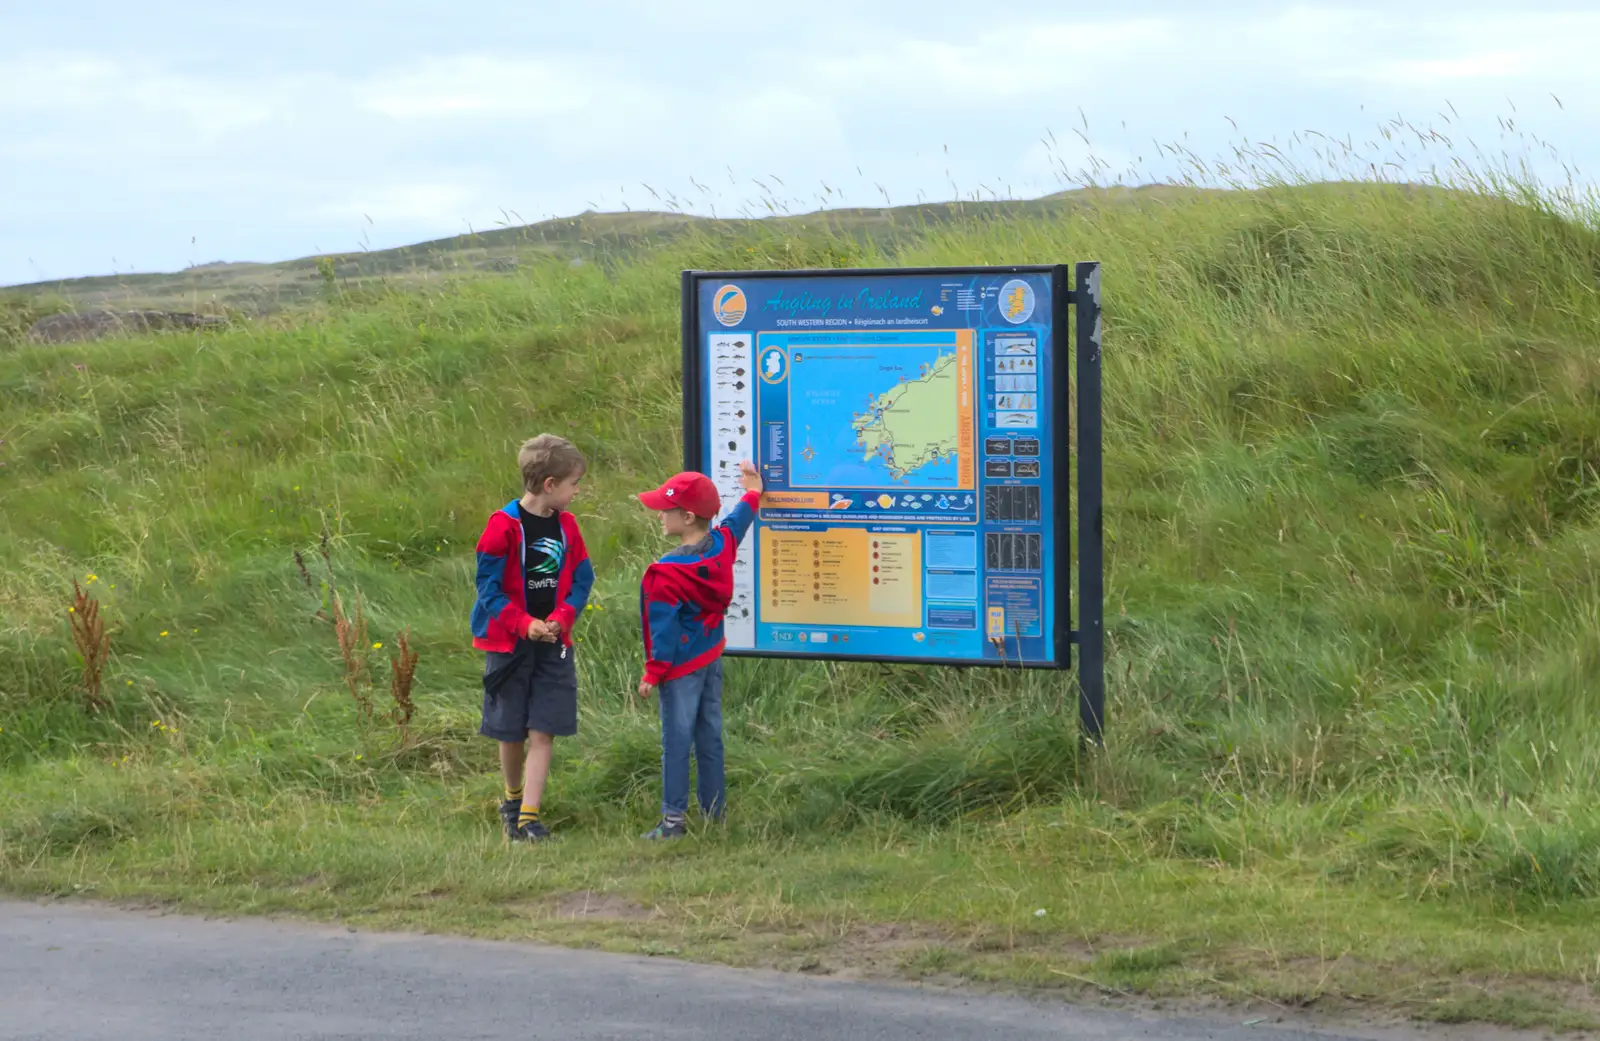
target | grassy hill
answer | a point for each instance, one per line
(588, 237)
(1354, 611)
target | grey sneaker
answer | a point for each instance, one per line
(533, 831)
(666, 830)
(509, 811)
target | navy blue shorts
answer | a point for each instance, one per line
(535, 687)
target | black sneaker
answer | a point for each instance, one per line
(532, 831)
(509, 811)
(666, 830)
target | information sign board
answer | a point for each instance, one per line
(911, 428)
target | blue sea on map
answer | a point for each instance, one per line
(828, 388)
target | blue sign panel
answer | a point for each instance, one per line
(910, 427)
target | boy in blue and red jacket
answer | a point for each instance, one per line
(682, 600)
(534, 578)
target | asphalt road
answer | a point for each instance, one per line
(88, 972)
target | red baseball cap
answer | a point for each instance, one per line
(689, 491)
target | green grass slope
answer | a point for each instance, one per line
(1352, 448)
(587, 237)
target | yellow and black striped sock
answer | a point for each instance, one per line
(513, 795)
(528, 814)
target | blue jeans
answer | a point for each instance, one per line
(691, 713)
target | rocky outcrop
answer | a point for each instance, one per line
(77, 326)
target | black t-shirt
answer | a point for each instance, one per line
(541, 562)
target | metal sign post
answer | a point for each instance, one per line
(1091, 634)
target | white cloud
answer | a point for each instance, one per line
(432, 204)
(995, 64)
(770, 114)
(478, 85)
(93, 85)
(1486, 65)
(263, 140)
(1494, 51)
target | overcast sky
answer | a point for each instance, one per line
(152, 136)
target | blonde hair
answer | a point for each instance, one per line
(548, 456)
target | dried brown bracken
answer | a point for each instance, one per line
(403, 670)
(93, 643)
(352, 635)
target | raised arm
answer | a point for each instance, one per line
(743, 515)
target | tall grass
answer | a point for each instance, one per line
(19, 311)
(1352, 452)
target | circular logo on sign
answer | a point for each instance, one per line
(728, 305)
(1016, 301)
(774, 364)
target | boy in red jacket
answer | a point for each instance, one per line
(682, 600)
(534, 578)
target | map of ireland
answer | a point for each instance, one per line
(915, 422)
(881, 416)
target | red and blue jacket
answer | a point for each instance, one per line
(685, 595)
(500, 615)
